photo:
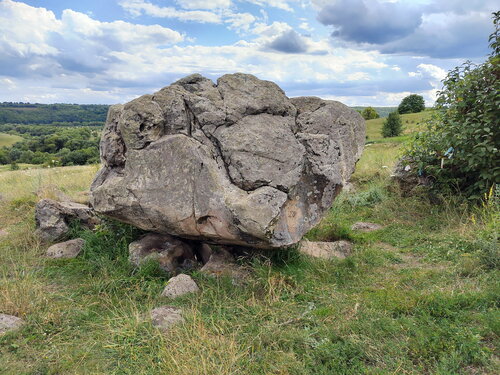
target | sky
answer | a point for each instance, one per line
(360, 52)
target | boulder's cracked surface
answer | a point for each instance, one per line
(235, 162)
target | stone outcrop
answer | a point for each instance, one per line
(235, 162)
(53, 218)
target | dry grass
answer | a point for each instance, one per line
(8, 139)
(25, 183)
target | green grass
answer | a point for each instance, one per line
(419, 296)
(411, 123)
(8, 139)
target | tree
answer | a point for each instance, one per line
(460, 148)
(369, 113)
(392, 126)
(412, 104)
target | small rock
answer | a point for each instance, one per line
(366, 227)
(326, 250)
(53, 218)
(3, 232)
(67, 249)
(221, 263)
(9, 323)
(170, 252)
(179, 285)
(164, 317)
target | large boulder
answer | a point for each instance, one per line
(235, 162)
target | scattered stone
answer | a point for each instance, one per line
(222, 263)
(164, 317)
(234, 163)
(326, 250)
(53, 218)
(366, 227)
(9, 323)
(171, 253)
(3, 232)
(67, 249)
(179, 285)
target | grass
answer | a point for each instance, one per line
(8, 139)
(419, 296)
(411, 123)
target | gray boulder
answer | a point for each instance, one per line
(180, 285)
(67, 249)
(235, 162)
(53, 218)
(170, 252)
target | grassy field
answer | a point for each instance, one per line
(419, 296)
(411, 123)
(8, 139)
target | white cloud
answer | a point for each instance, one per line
(18, 39)
(239, 21)
(75, 42)
(434, 71)
(305, 26)
(138, 7)
(280, 4)
(236, 21)
(358, 76)
(204, 4)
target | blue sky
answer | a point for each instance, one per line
(361, 52)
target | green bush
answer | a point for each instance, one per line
(369, 113)
(412, 104)
(392, 126)
(460, 147)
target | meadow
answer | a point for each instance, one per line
(419, 296)
(8, 139)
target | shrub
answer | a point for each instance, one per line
(460, 147)
(392, 126)
(412, 104)
(369, 113)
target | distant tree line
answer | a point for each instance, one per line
(56, 114)
(51, 145)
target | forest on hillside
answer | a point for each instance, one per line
(55, 114)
